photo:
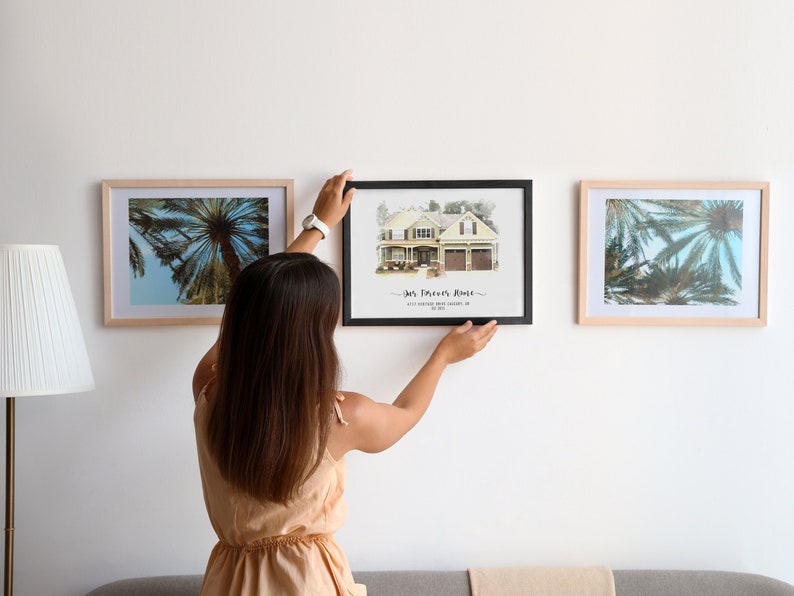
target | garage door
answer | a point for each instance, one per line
(455, 260)
(481, 259)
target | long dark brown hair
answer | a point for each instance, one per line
(277, 375)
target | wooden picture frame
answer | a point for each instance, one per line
(438, 253)
(164, 261)
(673, 253)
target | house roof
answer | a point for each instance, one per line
(405, 218)
(409, 217)
(453, 230)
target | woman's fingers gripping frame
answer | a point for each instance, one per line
(332, 202)
(467, 339)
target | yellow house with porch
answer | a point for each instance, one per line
(446, 241)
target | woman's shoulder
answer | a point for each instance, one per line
(351, 412)
(205, 371)
(351, 404)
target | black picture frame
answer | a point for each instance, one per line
(410, 260)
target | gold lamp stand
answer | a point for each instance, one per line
(8, 584)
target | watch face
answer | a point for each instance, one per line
(314, 222)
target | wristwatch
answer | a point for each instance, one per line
(312, 221)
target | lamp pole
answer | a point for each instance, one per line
(8, 583)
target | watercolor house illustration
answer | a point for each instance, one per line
(444, 241)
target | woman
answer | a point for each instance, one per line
(272, 427)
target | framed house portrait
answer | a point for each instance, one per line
(438, 253)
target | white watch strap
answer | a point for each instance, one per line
(320, 225)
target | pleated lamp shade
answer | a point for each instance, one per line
(42, 351)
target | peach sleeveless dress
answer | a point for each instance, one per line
(266, 548)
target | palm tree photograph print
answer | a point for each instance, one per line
(673, 252)
(188, 251)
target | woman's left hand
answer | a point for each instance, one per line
(332, 203)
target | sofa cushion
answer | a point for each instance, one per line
(697, 583)
(415, 583)
(163, 585)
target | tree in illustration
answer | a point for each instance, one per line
(482, 210)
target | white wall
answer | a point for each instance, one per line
(632, 447)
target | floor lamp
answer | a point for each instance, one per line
(42, 351)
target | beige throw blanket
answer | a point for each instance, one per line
(542, 581)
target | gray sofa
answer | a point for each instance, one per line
(456, 583)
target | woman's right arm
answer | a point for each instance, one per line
(374, 427)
